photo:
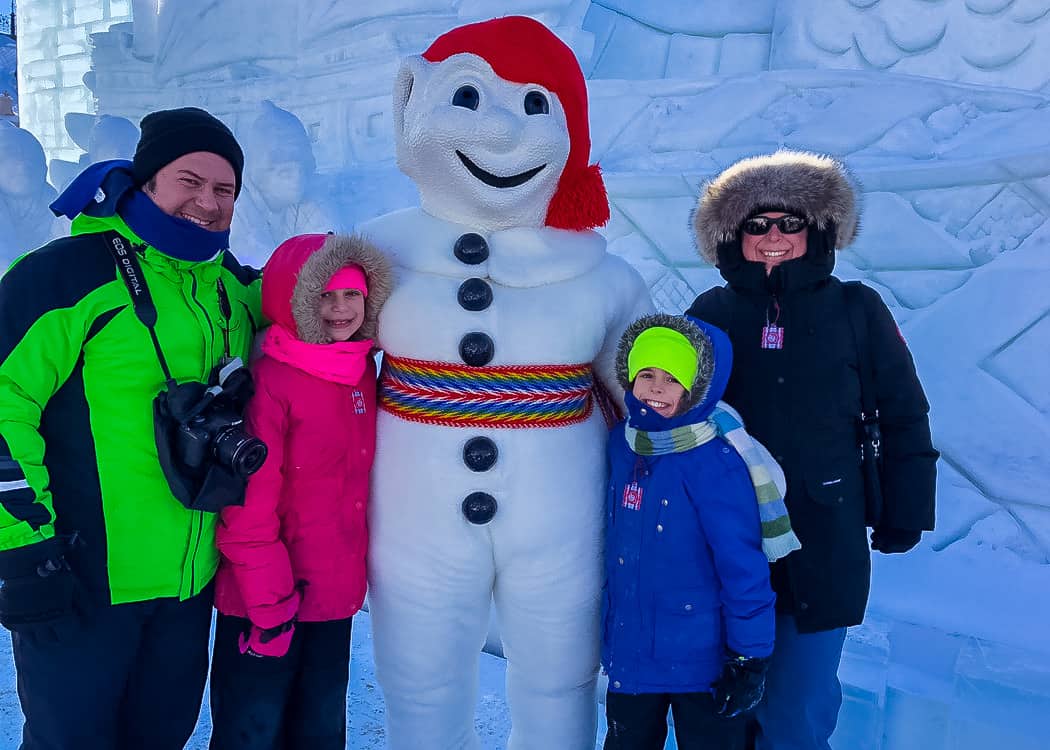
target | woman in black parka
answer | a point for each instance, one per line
(772, 224)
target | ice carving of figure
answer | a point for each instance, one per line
(279, 198)
(111, 138)
(26, 222)
(506, 313)
(102, 138)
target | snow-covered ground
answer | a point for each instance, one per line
(941, 109)
(364, 702)
(951, 713)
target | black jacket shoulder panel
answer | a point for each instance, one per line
(55, 276)
(712, 307)
(246, 275)
(897, 382)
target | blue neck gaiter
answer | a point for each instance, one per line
(108, 188)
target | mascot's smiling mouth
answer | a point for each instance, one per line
(495, 180)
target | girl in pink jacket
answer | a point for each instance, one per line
(292, 569)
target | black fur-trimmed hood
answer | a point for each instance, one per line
(817, 187)
(705, 350)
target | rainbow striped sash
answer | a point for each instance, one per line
(451, 395)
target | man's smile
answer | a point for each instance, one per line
(206, 223)
(495, 180)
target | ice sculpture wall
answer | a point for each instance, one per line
(991, 42)
(54, 56)
(328, 62)
(680, 40)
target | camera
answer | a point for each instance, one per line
(204, 450)
(214, 431)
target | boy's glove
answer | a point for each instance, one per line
(38, 597)
(272, 642)
(890, 541)
(740, 686)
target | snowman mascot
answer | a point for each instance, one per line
(498, 340)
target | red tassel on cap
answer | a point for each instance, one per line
(580, 202)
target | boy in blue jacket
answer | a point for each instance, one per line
(693, 517)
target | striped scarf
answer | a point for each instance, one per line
(778, 540)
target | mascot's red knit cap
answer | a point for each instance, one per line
(521, 50)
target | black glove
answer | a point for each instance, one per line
(890, 541)
(740, 686)
(38, 593)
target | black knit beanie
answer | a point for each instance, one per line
(171, 133)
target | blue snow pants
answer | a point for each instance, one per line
(130, 677)
(803, 694)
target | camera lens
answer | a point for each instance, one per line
(239, 451)
(250, 457)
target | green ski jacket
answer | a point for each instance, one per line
(78, 375)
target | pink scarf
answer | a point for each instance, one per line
(339, 362)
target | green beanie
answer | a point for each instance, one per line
(664, 348)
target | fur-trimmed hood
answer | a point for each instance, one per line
(301, 267)
(714, 362)
(817, 187)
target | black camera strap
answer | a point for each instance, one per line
(130, 271)
(227, 313)
(858, 321)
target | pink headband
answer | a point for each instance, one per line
(348, 277)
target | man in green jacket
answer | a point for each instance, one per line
(105, 573)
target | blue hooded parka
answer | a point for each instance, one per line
(686, 575)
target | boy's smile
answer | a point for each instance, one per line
(659, 390)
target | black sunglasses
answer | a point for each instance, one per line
(787, 224)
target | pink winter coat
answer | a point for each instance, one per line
(297, 546)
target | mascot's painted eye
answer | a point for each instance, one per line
(466, 96)
(536, 104)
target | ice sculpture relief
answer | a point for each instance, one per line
(992, 42)
(281, 195)
(24, 194)
(102, 138)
